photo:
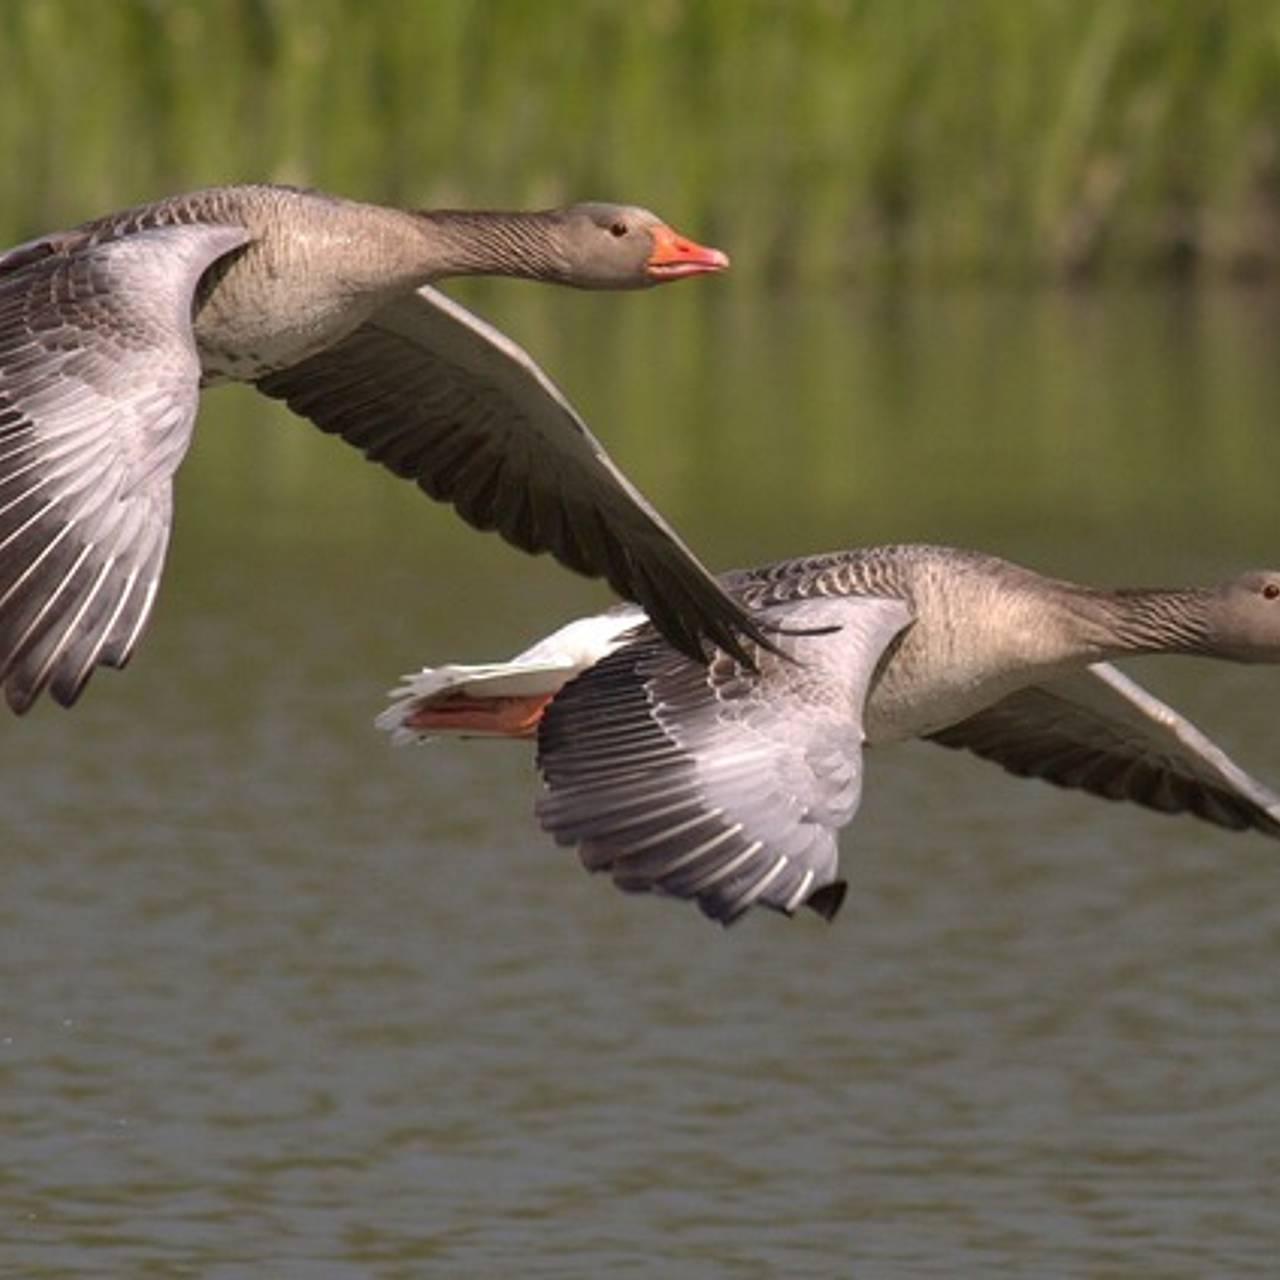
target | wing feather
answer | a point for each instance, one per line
(438, 396)
(1098, 731)
(719, 784)
(98, 385)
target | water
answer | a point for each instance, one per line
(281, 1001)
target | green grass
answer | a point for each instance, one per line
(820, 139)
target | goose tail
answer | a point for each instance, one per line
(501, 699)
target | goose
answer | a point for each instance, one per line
(727, 783)
(109, 331)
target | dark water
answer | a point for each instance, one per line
(280, 1001)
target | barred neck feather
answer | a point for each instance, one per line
(1145, 620)
(480, 242)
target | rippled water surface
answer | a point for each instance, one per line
(280, 1001)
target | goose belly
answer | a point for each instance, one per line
(909, 698)
(244, 344)
(979, 635)
(899, 709)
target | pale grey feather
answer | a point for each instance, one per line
(99, 379)
(719, 784)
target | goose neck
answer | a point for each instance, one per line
(461, 242)
(1150, 620)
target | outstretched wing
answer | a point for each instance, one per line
(436, 395)
(98, 386)
(719, 784)
(1098, 731)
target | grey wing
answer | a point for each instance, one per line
(437, 396)
(719, 784)
(1098, 731)
(98, 386)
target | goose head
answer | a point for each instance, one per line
(618, 246)
(1244, 618)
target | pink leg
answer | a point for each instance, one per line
(508, 717)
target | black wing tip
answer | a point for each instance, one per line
(828, 900)
(19, 700)
(21, 696)
(740, 638)
(717, 910)
(698, 619)
(825, 901)
(744, 631)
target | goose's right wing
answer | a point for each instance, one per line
(440, 397)
(717, 783)
(98, 385)
(1098, 731)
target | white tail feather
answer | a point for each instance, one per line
(544, 667)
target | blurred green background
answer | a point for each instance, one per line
(822, 139)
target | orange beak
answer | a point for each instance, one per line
(674, 257)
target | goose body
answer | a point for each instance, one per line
(728, 784)
(109, 330)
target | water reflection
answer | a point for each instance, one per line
(274, 991)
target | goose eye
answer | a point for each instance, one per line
(618, 229)
(1271, 591)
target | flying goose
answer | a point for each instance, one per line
(108, 332)
(728, 785)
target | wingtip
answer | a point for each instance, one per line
(745, 631)
(828, 900)
(18, 701)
